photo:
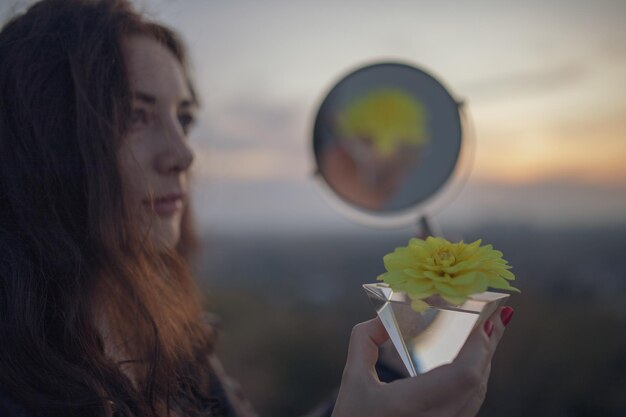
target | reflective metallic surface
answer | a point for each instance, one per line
(387, 138)
(433, 337)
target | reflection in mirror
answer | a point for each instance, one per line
(387, 137)
(380, 138)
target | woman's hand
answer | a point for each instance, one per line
(454, 390)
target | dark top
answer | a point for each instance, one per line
(228, 399)
(220, 404)
(9, 408)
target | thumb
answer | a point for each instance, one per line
(365, 339)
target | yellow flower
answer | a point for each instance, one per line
(453, 271)
(387, 117)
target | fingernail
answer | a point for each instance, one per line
(488, 327)
(506, 315)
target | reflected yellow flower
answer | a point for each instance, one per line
(385, 117)
(453, 271)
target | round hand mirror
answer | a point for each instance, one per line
(387, 138)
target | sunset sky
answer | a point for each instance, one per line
(545, 84)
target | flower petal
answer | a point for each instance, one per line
(419, 305)
(454, 300)
(466, 278)
(393, 277)
(446, 289)
(423, 294)
(502, 284)
(416, 287)
(434, 276)
(507, 275)
(451, 270)
(413, 273)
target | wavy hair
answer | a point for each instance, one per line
(74, 272)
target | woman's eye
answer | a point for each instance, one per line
(186, 121)
(138, 117)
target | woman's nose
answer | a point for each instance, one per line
(176, 156)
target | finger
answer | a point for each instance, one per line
(464, 404)
(365, 339)
(499, 320)
(447, 387)
(468, 404)
(475, 353)
(465, 376)
(476, 398)
(482, 342)
(451, 387)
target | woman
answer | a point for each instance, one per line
(98, 312)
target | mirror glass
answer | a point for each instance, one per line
(387, 137)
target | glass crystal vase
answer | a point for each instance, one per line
(435, 336)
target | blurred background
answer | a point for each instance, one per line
(545, 84)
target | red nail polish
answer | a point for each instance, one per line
(506, 315)
(488, 327)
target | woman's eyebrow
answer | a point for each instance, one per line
(150, 99)
(145, 97)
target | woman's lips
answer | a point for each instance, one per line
(167, 205)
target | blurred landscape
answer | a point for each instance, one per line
(289, 301)
(545, 83)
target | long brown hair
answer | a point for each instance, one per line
(70, 258)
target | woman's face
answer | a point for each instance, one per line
(155, 155)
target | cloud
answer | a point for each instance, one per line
(248, 121)
(297, 204)
(253, 164)
(528, 82)
(555, 203)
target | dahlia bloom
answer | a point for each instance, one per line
(454, 271)
(386, 117)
